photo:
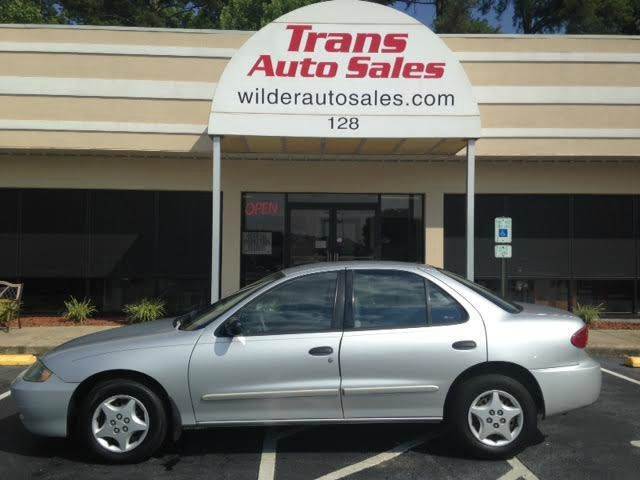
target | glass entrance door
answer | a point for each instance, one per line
(355, 234)
(331, 233)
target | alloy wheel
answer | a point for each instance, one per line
(120, 423)
(495, 418)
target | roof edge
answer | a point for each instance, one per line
(516, 36)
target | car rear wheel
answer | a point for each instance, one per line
(123, 421)
(494, 415)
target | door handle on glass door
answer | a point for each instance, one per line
(320, 351)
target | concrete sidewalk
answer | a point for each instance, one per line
(38, 340)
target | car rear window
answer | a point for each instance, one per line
(497, 300)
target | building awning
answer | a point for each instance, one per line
(345, 69)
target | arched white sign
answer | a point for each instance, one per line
(345, 68)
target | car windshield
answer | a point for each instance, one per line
(204, 316)
(485, 292)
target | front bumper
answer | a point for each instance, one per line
(571, 387)
(43, 406)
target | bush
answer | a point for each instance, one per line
(9, 310)
(590, 314)
(146, 310)
(78, 311)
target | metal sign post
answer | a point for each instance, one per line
(502, 248)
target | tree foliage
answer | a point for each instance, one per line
(28, 11)
(450, 16)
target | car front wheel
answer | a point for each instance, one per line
(495, 415)
(123, 421)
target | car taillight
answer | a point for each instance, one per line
(580, 338)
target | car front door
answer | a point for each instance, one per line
(400, 350)
(283, 362)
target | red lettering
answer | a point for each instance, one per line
(361, 40)
(296, 36)
(395, 42)
(358, 66)
(434, 70)
(412, 70)
(254, 209)
(263, 64)
(338, 42)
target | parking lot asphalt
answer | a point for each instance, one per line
(591, 443)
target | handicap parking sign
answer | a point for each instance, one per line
(503, 230)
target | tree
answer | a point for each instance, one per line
(463, 16)
(574, 16)
(28, 11)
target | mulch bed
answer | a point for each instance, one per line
(608, 325)
(63, 322)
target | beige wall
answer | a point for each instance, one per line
(66, 79)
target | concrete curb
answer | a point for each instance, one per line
(16, 360)
(614, 351)
(38, 351)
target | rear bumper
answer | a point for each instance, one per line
(571, 387)
(43, 406)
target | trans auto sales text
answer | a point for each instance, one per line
(304, 39)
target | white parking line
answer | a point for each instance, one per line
(375, 460)
(5, 395)
(518, 470)
(619, 375)
(267, 470)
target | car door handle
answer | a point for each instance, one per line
(464, 345)
(319, 351)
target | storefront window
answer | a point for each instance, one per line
(8, 234)
(566, 248)
(282, 230)
(114, 247)
(401, 219)
(604, 244)
(263, 222)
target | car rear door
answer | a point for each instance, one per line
(284, 364)
(407, 337)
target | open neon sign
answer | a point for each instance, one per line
(254, 209)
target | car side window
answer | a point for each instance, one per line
(301, 305)
(388, 299)
(443, 309)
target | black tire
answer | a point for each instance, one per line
(464, 396)
(157, 420)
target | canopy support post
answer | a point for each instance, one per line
(471, 193)
(215, 220)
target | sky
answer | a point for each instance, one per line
(425, 14)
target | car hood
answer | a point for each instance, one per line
(158, 333)
(544, 312)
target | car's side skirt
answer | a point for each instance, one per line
(315, 421)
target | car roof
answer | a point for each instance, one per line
(360, 264)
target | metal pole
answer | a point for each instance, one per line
(503, 277)
(471, 193)
(215, 220)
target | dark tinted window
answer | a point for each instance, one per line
(301, 305)
(388, 299)
(8, 234)
(443, 308)
(54, 234)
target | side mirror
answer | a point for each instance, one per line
(233, 327)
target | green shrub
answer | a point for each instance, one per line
(9, 310)
(78, 311)
(146, 310)
(589, 313)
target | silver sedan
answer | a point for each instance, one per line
(328, 343)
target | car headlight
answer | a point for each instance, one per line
(37, 373)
